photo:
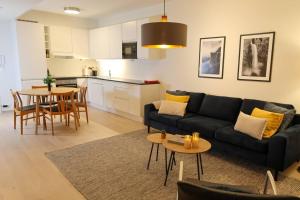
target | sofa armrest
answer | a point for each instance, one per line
(147, 109)
(284, 148)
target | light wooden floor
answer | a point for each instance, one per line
(25, 172)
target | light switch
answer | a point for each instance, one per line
(2, 61)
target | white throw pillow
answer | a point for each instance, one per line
(250, 125)
(172, 108)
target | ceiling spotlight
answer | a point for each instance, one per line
(71, 10)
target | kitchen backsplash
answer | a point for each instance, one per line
(69, 67)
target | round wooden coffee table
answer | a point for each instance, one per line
(204, 146)
(155, 138)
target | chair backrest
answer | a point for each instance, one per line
(43, 99)
(83, 92)
(65, 102)
(189, 191)
(18, 104)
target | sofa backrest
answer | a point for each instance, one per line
(249, 104)
(194, 102)
(225, 108)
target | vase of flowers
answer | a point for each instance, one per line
(49, 80)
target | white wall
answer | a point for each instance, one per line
(68, 67)
(207, 18)
(10, 75)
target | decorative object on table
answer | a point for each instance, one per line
(255, 57)
(176, 139)
(49, 80)
(187, 141)
(163, 134)
(211, 57)
(164, 34)
(195, 140)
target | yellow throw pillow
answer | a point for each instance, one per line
(181, 99)
(274, 121)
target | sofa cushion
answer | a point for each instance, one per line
(225, 108)
(170, 120)
(249, 104)
(229, 135)
(205, 125)
(194, 102)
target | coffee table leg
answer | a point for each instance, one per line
(169, 165)
(166, 160)
(157, 152)
(198, 166)
(201, 163)
(150, 156)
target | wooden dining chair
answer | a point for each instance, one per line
(65, 106)
(81, 105)
(43, 100)
(20, 110)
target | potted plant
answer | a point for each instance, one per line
(49, 80)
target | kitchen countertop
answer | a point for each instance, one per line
(121, 80)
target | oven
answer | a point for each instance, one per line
(66, 82)
(129, 50)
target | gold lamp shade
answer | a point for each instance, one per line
(164, 35)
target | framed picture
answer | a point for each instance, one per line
(255, 58)
(211, 57)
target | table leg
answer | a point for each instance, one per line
(198, 172)
(201, 163)
(157, 152)
(37, 113)
(166, 160)
(150, 156)
(169, 166)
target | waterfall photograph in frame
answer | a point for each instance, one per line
(255, 57)
(211, 57)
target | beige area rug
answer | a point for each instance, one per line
(115, 168)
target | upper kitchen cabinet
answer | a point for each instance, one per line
(106, 42)
(99, 47)
(147, 53)
(31, 50)
(80, 41)
(129, 31)
(115, 41)
(60, 40)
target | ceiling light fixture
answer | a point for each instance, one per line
(164, 34)
(71, 10)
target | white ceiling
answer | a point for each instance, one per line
(94, 8)
(10, 9)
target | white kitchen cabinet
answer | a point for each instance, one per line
(80, 43)
(147, 53)
(61, 40)
(31, 50)
(115, 41)
(99, 43)
(124, 99)
(96, 93)
(129, 31)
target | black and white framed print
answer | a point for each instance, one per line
(255, 58)
(211, 57)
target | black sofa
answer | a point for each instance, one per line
(214, 117)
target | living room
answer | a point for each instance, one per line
(137, 113)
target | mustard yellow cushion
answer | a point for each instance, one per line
(274, 121)
(181, 99)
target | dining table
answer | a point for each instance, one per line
(43, 92)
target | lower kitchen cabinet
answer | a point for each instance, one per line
(125, 99)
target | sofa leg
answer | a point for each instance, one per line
(148, 128)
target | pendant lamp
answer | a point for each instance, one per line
(164, 34)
